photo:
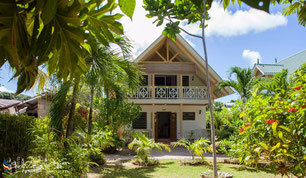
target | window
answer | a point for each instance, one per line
(188, 115)
(144, 80)
(185, 80)
(140, 122)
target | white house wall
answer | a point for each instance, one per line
(198, 126)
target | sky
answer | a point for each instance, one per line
(237, 36)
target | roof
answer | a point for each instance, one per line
(268, 69)
(291, 63)
(5, 103)
(195, 55)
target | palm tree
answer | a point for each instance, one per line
(198, 147)
(107, 72)
(243, 83)
(143, 146)
(110, 73)
(271, 86)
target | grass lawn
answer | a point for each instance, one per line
(171, 168)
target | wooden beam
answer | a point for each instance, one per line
(173, 68)
(152, 122)
(152, 50)
(167, 50)
(181, 86)
(181, 121)
(153, 85)
(160, 55)
(188, 53)
(174, 56)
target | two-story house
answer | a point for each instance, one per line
(173, 95)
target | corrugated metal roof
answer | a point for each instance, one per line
(6, 102)
(269, 69)
(292, 63)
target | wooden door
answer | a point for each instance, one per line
(173, 126)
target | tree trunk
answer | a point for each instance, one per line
(210, 104)
(90, 112)
(72, 108)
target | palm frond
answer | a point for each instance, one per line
(57, 108)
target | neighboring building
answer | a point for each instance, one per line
(291, 63)
(173, 94)
(37, 106)
(7, 106)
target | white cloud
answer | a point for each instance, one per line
(227, 23)
(3, 89)
(141, 30)
(224, 23)
(251, 56)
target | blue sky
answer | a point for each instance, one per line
(230, 34)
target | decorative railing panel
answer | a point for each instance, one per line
(142, 93)
(171, 92)
(167, 92)
(194, 93)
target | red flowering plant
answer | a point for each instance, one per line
(276, 134)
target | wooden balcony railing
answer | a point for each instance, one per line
(170, 92)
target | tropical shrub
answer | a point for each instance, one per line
(51, 158)
(274, 131)
(143, 146)
(198, 147)
(16, 138)
(114, 114)
(226, 120)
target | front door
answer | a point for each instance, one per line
(165, 126)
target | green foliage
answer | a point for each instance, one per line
(127, 7)
(58, 33)
(198, 147)
(57, 108)
(11, 96)
(113, 114)
(143, 146)
(227, 120)
(50, 158)
(275, 129)
(294, 7)
(270, 86)
(16, 138)
(242, 84)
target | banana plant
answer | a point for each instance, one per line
(142, 145)
(198, 147)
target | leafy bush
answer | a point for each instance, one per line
(198, 147)
(97, 157)
(16, 138)
(275, 130)
(143, 146)
(226, 120)
(53, 159)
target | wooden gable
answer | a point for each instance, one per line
(167, 56)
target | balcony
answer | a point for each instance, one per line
(171, 92)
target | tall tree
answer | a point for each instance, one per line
(108, 71)
(192, 11)
(243, 83)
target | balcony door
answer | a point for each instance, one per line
(165, 80)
